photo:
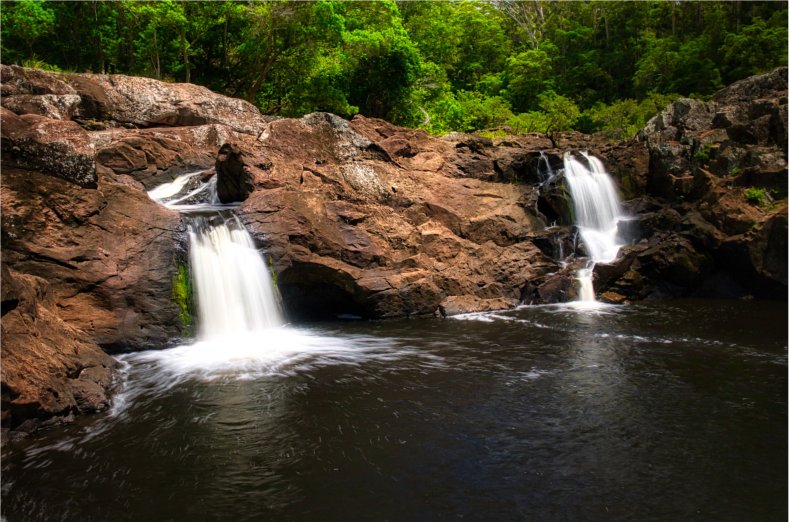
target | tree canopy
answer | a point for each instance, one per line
(464, 65)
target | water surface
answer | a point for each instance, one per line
(655, 411)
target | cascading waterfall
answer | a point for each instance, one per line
(233, 285)
(597, 210)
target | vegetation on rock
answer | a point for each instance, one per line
(182, 295)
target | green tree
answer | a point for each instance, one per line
(561, 114)
(528, 74)
(756, 47)
(26, 21)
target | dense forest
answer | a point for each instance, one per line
(463, 65)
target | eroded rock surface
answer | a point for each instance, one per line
(714, 215)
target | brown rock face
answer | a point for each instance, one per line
(145, 102)
(49, 367)
(358, 223)
(59, 148)
(108, 254)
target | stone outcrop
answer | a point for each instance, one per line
(55, 147)
(358, 223)
(714, 212)
(358, 217)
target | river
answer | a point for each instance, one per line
(661, 410)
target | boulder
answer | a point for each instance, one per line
(156, 156)
(145, 102)
(56, 147)
(54, 106)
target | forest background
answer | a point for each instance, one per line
(516, 66)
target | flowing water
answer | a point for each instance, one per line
(597, 211)
(232, 283)
(654, 411)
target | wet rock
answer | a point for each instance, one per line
(456, 305)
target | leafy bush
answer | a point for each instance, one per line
(757, 196)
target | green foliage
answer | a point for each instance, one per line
(756, 47)
(182, 296)
(528, 74)
(757, 196)
(36, 63)
(561, 114)
(25, 21)
(461, 65)
(526, 122)
(704, 153)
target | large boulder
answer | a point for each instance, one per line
(145, 102)
(56, 147)
(123, 100)
(158, 155)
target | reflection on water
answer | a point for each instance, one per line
(656, 411)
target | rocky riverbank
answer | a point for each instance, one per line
(358, 217)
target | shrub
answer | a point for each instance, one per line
(757, 196)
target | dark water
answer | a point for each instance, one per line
(657, 411)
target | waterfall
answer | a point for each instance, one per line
(232, 282)
(545, 172)
(597, 211)
(232, 285)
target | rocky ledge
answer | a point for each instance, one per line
(357, 217)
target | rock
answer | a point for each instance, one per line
(156, 156)
(385, 237)
(55, 147)
(239, 171)
(145, 102)
(456, 305)
(49, 367)
(15, 80)
(54, 106)
(107, 254)
(703, 158)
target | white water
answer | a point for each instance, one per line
(233, 285)
(231, 282)
(597, 210)
(168, 190)
(184, 195)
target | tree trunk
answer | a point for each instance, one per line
(99, 43)
(185, 54)
(157, 65)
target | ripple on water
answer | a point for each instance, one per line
(281, 351)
